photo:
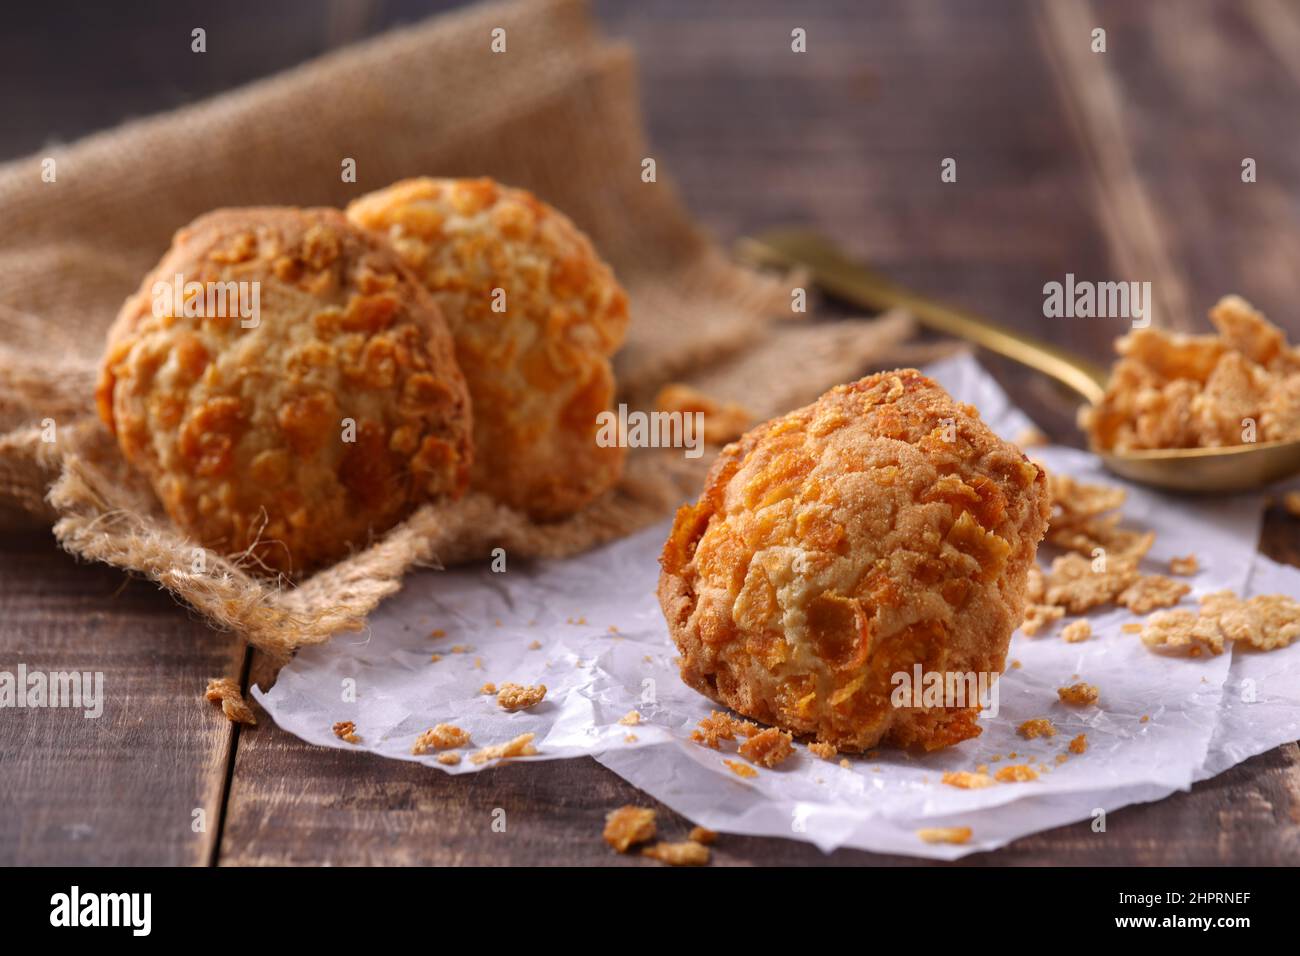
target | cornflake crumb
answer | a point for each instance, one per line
(630, 738)
(434, 658)
(1144, 718)
(535, 646)
(225, 691)
(1185, 566)
(1016, 665)
(701, 835)
(687, 853)
(966, 780)
(514, 697)
(1152, 591)
(768, 748)
(719, 726)
(521, 746)
(1040, 616)
(824, 750)
(1038, 727)
(628, 825)
(1016, 773)
(450, 759)
(459, 648)
(1132, 627)
(441, 737)
(955, 835)
(488, 688)
(1182, 632)
(1076, 631)
(1079, 744)
(844, 762)
(346, 730)
(1079, 695)
(630, 719)
(740, 769)
(438, 632)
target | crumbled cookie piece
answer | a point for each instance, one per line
(823, 750)
(1016, 773)
(1185, 566)
(1074, 584)
(1152, 591)
(437, 632)
(1079, 695)
(1076, 631)
(1182, 632)
(225, 691)
(1037, 727)
(719, 726)
(966, 780)
(448, 758)
(1079, 744)
(701, 835)
(514, 697)
(631, 719)
(346, 730)
(521, 746)
(955, 835)
(441, 737)
(629, 825)
(740, 769)
(687, 853)
(1039, 616)
(769, 747)
(535, 645)
(488, 688)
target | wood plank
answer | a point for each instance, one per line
(120, 789)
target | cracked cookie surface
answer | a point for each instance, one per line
(881, 527)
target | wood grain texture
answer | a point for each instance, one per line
(121, 788)
(1122, 166)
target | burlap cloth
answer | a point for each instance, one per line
(556, 114)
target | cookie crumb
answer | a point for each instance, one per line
(701, 835)
(1079, 695)
(488, 688)
(441, 737)
(768, 748)
(965, 780)
(631, 719)
(1076, 631)
(535, 646)
(521, 746)
(628, 825)
(450, 758)
(688, 853)
(346, 730)
(438, 632)
(954, 835)
(740, 769)
(1186, 566)
(1079, 744)
(826, 751)
(514, 697)
(225, 691)
(1016, 773)
(719, 726)
(1038, 727)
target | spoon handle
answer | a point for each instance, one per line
(859, 285)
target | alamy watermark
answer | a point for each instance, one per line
(638, 429)
(78, 690)
(207, 300)
(1098, 300)
(931, 689)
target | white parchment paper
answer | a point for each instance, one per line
(590, 629)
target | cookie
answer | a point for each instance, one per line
(535, 314)
(838, 548)
(287, 387)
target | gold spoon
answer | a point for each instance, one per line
(1236, 468)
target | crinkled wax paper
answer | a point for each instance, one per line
(590, 629)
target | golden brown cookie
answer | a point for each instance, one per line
(297, 430)
(881, 527)
(535, 314)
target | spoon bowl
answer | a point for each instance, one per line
(1199, 470)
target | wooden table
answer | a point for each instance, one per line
(1116, 165)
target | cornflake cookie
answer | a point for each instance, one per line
(297, 439)
(535, 314)
(1170, 390)
(629, 825)
(881, 527)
